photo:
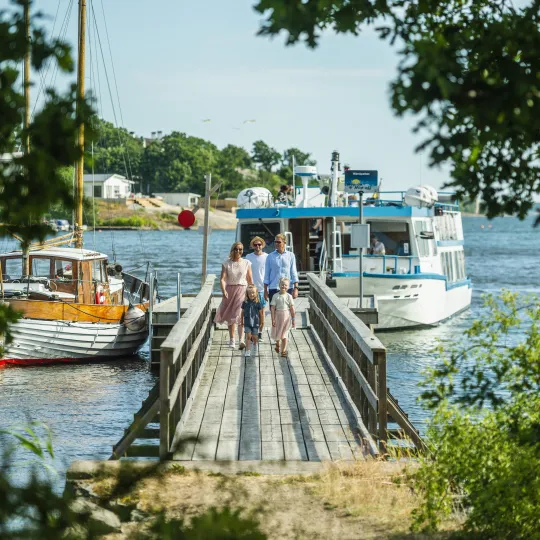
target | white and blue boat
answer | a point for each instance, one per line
(421, 279)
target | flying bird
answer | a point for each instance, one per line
(249, 121)
(207, 120)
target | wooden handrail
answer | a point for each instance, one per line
(181, 330)
(354, 326)
(181, 357)
(358, 356)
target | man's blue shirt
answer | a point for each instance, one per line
(280, 265)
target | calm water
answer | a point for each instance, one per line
(88, 406)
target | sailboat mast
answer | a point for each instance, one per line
(27, 76)
(79, 185)
(26, 123)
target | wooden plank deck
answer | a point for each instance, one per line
(269, 408)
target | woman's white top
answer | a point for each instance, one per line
(282, 302)
(236, 271)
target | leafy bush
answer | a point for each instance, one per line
(133, 221)
(484, 454)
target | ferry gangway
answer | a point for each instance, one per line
(328, 400)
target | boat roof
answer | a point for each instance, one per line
(291, 212)
(77, 254)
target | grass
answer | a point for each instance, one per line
(358, 500)
(132, 221)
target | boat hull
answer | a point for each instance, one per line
(408, 302)
(41, 342)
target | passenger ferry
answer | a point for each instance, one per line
(421, 279)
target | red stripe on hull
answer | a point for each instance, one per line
(28, 362)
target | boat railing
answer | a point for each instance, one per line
(323, 258)
(382, 264)
(379, 199)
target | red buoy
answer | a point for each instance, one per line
(186, 219)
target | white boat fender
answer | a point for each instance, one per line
(135, 319)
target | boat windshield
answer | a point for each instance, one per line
(267, 231)
(11, 268)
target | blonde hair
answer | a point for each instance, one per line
(257, 239)
(250, 288)
(281, 236)
(284, 280)
(236, 244)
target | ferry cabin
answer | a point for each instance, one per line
(423, 254)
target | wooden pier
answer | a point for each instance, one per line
(327, 401)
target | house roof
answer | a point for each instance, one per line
(103, 177)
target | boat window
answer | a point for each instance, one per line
(63, 269)
(41, 267)
(265, 230)
(12, 268)
(96, 270)
(394, 235)
(425, 242)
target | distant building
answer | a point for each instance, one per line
(186, 200)
(107, 186)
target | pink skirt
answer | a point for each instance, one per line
(283, 324)
(230, 308)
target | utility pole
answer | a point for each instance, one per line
(208, 179)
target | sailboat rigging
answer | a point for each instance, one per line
(75, 305)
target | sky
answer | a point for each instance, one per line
(178, 63)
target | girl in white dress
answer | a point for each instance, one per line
(282, 311)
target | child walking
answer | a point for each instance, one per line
(253, 317)
(282, 311)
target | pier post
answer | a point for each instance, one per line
(208, 179)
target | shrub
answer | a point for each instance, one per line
(485, 433)
(132, 221)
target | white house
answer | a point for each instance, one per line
(107, 186)
(187, 200)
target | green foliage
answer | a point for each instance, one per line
(116, 151)
(265, 156)
(486, 460)
(178, 163)
(225, 524)
(231, 160)
(132, 221)
(468, 70)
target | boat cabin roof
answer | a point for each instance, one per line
(290, 212)
(61, 253)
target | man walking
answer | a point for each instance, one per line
(258, 264)
(280, 263)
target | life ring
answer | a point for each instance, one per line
(100, 295)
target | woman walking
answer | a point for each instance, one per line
(235, 277)
(282, 311)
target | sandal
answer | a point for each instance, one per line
(284, 354)
(276, 348)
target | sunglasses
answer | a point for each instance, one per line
(255, 245)
(278, 242)
(238, 249)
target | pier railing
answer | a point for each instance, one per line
(358, 356)
(182, 355)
